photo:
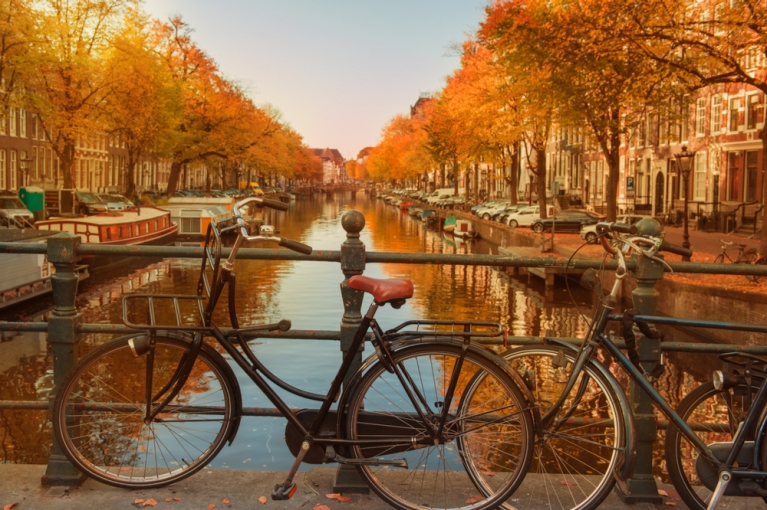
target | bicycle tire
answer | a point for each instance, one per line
(748, 256)
(573, 466)
(719, 259)
(107, 386)
(438, 474)
(761, 260)
(716, 414)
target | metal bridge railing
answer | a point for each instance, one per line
(65, 325)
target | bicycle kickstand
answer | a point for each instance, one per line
(285, 490)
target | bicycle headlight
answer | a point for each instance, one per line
(718, 380)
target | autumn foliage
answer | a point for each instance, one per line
(89, 67)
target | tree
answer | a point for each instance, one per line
(69, 85)
(704, 44)
(143, 101)
(17, 36)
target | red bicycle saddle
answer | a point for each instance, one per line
(383, 290)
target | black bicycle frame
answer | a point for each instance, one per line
(598, 338)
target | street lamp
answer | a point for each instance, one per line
(24, 164)
(684, 164)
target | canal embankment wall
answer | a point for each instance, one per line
(682, 299)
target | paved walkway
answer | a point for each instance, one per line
(241, 489)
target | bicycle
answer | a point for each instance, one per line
(745, 255)
(587, 441)
(760, 260)
(152, 408)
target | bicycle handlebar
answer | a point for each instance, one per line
(621, 228)
(674, 248)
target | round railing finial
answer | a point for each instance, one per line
(353, 222)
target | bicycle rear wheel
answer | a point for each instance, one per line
(573, 465)
(483, 452)
(714, 415)
(719, 259)
(759, 261)
(99, 414)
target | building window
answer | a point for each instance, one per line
(716, 114)
(12, 121)
(34, 127)
(700, 116)
(22, 122)
(37, 163)
(43, 168)
(699, 179)
(13, 169)
(600, 176)
(3, 169)
(752, 110)
(734, 114)
(642, 133)
(684, 119)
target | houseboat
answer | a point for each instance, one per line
(144, 226)
(26, 275)
(464, 228)
(194, 214)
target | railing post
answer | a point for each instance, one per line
(352, 263)
(63, 336)
(642, 487)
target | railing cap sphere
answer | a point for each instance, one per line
(353, 221)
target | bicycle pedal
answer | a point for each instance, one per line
(283, 493)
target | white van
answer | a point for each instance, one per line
(441, 193)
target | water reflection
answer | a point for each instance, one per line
(307, 294)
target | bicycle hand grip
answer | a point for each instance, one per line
(673, 248)
(623, 228)
(275, 204)
(295, 246)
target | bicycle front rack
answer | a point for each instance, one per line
(188, 311)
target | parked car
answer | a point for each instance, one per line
(503, 214)
(127, 204)
(13, 212)
(566, 221)
(527, 215)
(89, 203)
(589, 232)
(487, 212)
(112, 204)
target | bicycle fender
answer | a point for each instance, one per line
(761, 431)
(629, 427)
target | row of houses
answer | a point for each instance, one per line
(721, 124)
(27, 159)
(333, 165)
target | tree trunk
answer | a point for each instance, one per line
(476, 183)
(456, 177)
(130, 181)
(763, 238)
(514, 174)
(443, 181)
(613, 166)
(540, 170)
(67, 158)
(175, 172)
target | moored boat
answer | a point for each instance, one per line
(464, 228)
(27, 275)
(414, 211)
(429, 216)
(145, 226)
(404, 205)
(449, 224)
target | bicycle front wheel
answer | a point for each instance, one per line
(475, 462)
(759, 261)
(100, 414)
(573, 465)
(714, 416)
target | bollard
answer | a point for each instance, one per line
(642, 486)
(347, 480)
(63, 336)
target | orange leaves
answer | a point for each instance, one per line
(262, 500)
(338, 497)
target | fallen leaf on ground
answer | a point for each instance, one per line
(10, 505)
(475, 499)
(176, 499)
(225, 501)
(568, 483)
(338, 497)
(321, 507)
(150, 502)
(262, 500)
(669, 503)
(663, 492)
(168, 500)
(135, 502)
(487, 473)
(211, 506)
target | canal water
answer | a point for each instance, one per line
(308, 294)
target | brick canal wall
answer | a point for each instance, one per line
(676, 299)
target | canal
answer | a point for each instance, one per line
(307, 293)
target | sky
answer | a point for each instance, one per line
(338, 70)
